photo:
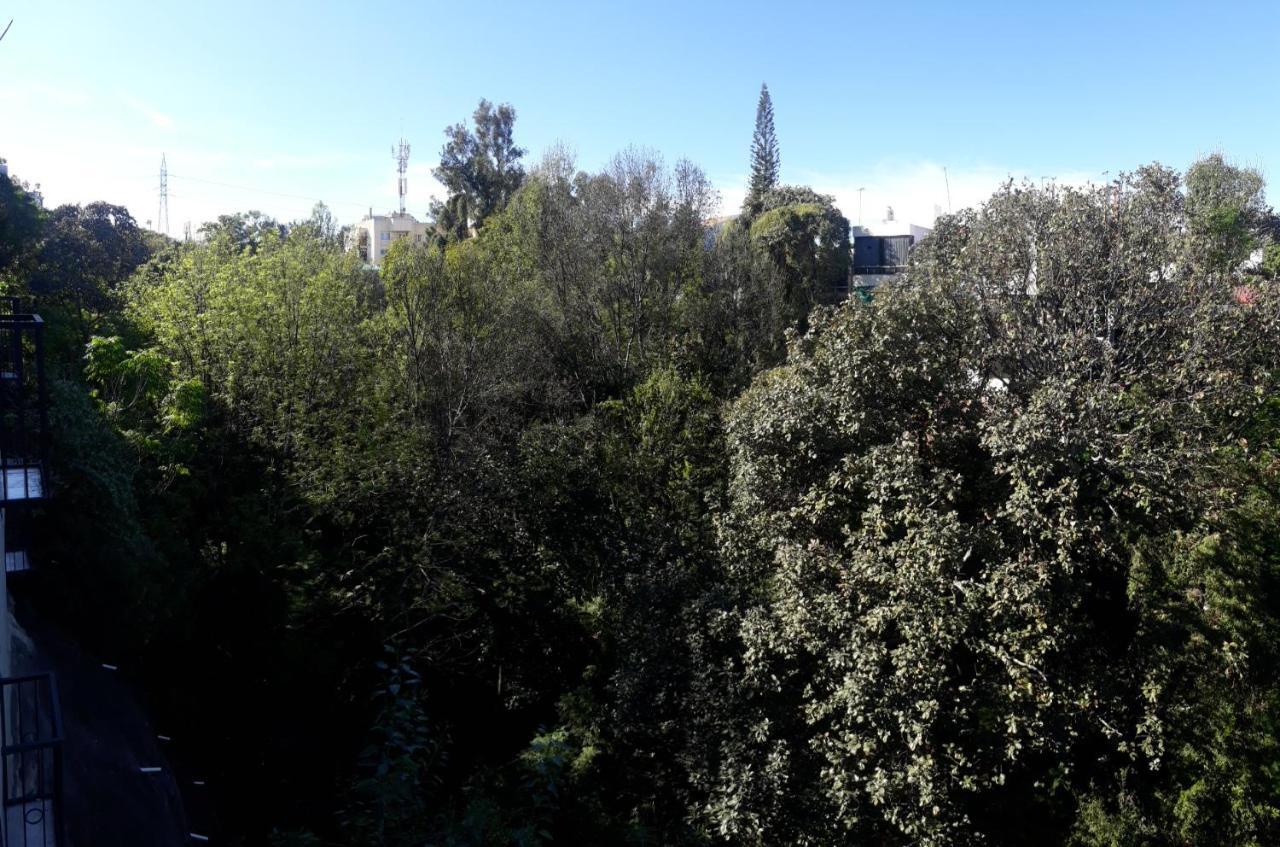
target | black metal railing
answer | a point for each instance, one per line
(881, 254)
(871, 270)
(17, 540)
(31, 761)
(24, 424)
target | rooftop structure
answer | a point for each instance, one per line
(375, 234)
(880, 251)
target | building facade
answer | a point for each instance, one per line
(375, 234)
(880, 252)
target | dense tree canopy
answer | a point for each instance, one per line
(991, 537)
(85, 252)
(601, 523)
(1225, 211)
(19, 227)
(808, 239)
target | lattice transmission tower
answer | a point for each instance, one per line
(162, 220)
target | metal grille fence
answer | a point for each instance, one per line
(31, 761)
(23, 406)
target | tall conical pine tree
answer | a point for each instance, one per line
(765, 161)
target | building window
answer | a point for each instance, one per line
(386, 236)
(881, 254)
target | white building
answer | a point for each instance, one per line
(375, 234)
(880, 250)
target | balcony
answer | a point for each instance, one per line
(881, 255)
(30, 761)
(17, 540)
(23, 416)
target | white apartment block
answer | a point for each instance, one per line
(375, 234)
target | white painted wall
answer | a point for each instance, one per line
(889, 228)
(385, 230)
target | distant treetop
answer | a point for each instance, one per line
(765, 160)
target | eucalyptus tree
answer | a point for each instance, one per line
(480, 164)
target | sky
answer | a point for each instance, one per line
(276, 105)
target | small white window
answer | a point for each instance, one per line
(386, 236)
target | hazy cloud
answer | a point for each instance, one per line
(157, 118)
(917, 191)
(301, 161)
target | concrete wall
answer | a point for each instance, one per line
(384, 230)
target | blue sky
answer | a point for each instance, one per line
(293, 102)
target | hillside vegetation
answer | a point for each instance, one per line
(585, 524)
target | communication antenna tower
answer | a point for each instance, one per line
(162, 220)
(402, 164)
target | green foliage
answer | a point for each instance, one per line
(604, 261)
(480, 167)
(294, 838)
(20, 228)
(94, 537)
(248, 230)
(87, 252)
(948, 510)
(1225, 209)
(765, 160)
(1118, 825)
(1271, 261)
(666, 553)
(270, 331)
(736, 319)
(808, 240)
(435, 427)
(399, 765)
(139, 393)
(321, 226)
